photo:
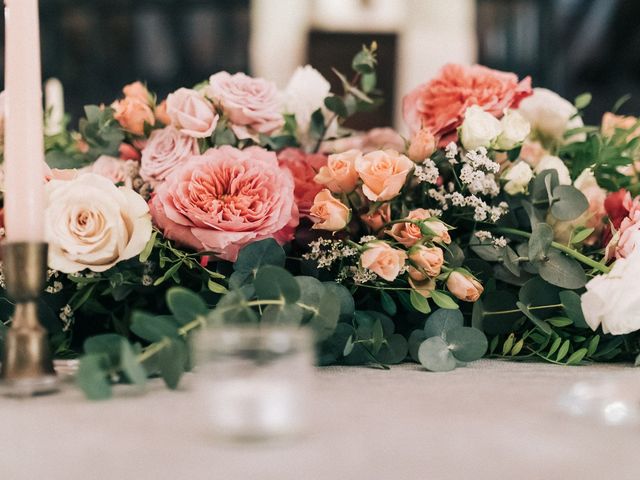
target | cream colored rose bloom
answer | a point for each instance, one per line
(91, 223)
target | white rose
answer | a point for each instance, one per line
(551, 162)
(91, 223)
(304, 94)
(611, 300)
(479, 128)
(551, 116)
(515, 129)
(518, 178)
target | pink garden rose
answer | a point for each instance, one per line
(225, 199)
(383, 173)
(191, 113)
(383, 260)
(440, 104)
(252, 104)
(115, 169)
(303, 167)
(339, 174)
(166, 149)
(329, 213)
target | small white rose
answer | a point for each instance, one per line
(551, 116)
(611, 300)
(515, 129)
(91, 223)
(479, 128)
(518, 178)
(551, 162)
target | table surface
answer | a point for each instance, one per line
(491, 419)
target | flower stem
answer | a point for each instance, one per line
(563, 248)
(183, 331)
(517, 310)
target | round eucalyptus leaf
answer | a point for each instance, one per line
(453, 255)
(484, 319)
(540, 241)
(289, 314)
(254, 256)
(331, 349)
(415, 340)
(347, 304)
(311, 289)
(434, 355)
(467, 344)
(325, 318)
(537, 292)
(569, 203)
(563, 271)
(573, 306)
(543, 185)
(394, 350)
(275, 283)
(442, 320)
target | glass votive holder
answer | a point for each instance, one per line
(254, 381)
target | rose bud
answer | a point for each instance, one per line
(329, 213)
(423, 144)
(428, 259)
(464, 286)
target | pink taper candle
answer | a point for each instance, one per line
(24, 144)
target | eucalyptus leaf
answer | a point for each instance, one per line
(466, 343)
(276, 283)
(441, 321)
(388, 305)
(153, 328)
(171, 361)
(185, 305)
(434, 355)
(540, 242)
(561, 270)
(254, 256)
(93, 377)
(107, 344)
(347, 304)
(415, 340)
(131, 368)
(394, 350)
(541, 324)
(573, 307)
(569, 203)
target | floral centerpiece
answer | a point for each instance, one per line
(501, 226)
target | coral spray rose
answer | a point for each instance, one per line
(329, 213)
(440, 104)
(428, 259)
(225, 199)
(423, 144)
(409, 233)
(383, 260)
(339, 174)
(132, 114)
(464, 286)
(384, 173)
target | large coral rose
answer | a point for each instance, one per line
(439, 105)
(225, 199)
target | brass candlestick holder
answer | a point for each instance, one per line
(27, 368)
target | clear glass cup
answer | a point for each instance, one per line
(254, 381)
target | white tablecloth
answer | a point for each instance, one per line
(492, 419)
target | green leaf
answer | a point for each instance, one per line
(466, 343)
(336, 105)
(364, 62)
(171, 361)
(334, 347)
(443, 300)
(554, 346)
(561, 270)
(185, 305)
(275, 283)
(540, 241)
(569, 203)
(582, 101)
(288, 313)
(148, 248)
(541, 324)
(415, 340)
(393, 350)
(108, 344)
(131, 368)
(560, 321)
(508, 344)
(581, 234)
(93, 377)
(434, 355)
(325, 320)
(441, 321)
(388, 305)
(347, 304)
(419, 302)
(573, 307)
(593, 345)
(517, 348)
(368, 82)
(577, 356)
(377, 336)
(254, 256)
(216, 287)
(153, 328)
(564, 349)
(317, 126)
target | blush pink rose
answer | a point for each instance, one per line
(339, 175)
(383, 260)
(132, 114)
(408, 234)
(440, 104)
(161, 113)
(532, 152)
(384, 138)
(115, 169)
(166, 149)
(226, 199)
(329, 213)
(128, 152)
(384, 173)
(423, 144)
(624, 240)
(303, 167)
(611, 122)
(252, 104)
(191, 113)
(428, 260)
(138, 91)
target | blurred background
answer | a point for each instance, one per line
(96, 46)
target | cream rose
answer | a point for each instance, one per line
(551, 162)
(515, 129)
(191, 113)
(479, 128)
(339, 175)
(92, 224)
(383, 260)
(329, 213)
(383, 173)
(518, 178)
